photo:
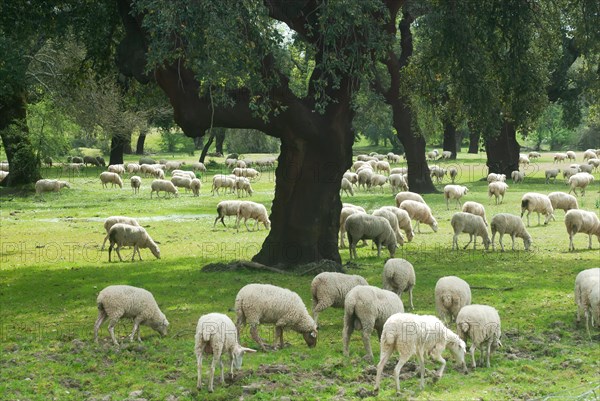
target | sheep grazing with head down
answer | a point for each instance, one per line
(504, 223)
(112, 178)
(419, 335)
(471, 224)
(587, 296)
(136, 183)
(398, 183)
(265, 303)
(438, 173)
(226, 208)
(252, 210)
(195, 186)
(581, 181)
(163, 185)
(517, 176)
(551, 174)
(589, 154)
(454, 192)
(480, 323)
(539, 203)
(451, 294)
(367, 308)
(561, 200)
(393, 220)
(404, 222)
(347, 210)
(112, 220)
(329, 289)
(399, 276)
(560, 157)
(347, 187)
(352, 177)
(126, 235)
(534, 155)
(364, 226)
(497, 189)
(493, 177)
(420, 212)
(197, 166)
(452, 172)
(45, 185)
(118, 301)
(222, 181)
(571, 155)
(476, 209)
(581, 221)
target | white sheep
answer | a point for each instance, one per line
(571, 155)
(350, 205)
(398, 183)
(589, 154)
(222, 181)
(329, 289)
(173, 165)
(446, 154)
(595, 163)
(241, 164)
(523, 159)
(4, 166)
(127, 235)
(404, 221)
(344, 213)
(454, 192)
(564, 201)
(432, 155)
(568, 172)
(45, 185)
(253, 210)
(493, 177)
(118, 301)
(420, 212)
(581, 181)
(399, 276)
(517, 176)
(585, 281)
(438, 173)
(552, 173)
(560, 157)
(226, 208)
(480, 323)
(112, 178)
(471, 224)
(393, 220)
(163, 185)
(133, 168)
(190, 174)
(534, 155)
(195, 186)
(265, 303)
(504, 223)
(217, 334)
(452, 172)
(383, 166)
(136, 183)
(451, 294)
(476, 209)
(420, 335)
(364, 178)
(539, 203)
(352, 177)
(581, 221)
(156, 172)
(182, 182)
(498, 190)
(347, 187)
(402, 196)
(357, 164)
(3, 175)
(112, 220)
(399, 170)
(116, 168)
(367, 308)
(197, 166)
(586, 168)
(363, 226)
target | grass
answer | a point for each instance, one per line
(52, 270)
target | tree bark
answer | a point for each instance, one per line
(220, 137)
(199, 142)
(450, 138)
(117, 147)
(139, 148)
(474, 142)
(503, 150)
(205, 149)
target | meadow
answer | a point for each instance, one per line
(52, 270)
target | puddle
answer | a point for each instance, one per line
(176, 218)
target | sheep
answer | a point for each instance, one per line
(454, 192)
(398, 183)
(136, 183)
(330, 289)
(222, 181)
(350, 205)
(480, 323)
(383, 166)
(399, 276)
(393, 220)
(357, 164)
(586, 168)
(584, 276)
(589, 154)
(452, 172)
(392, 158)
(498, 190)
(133, 168)
(581, 221)
(245, 172)
(226, 208)
(595, 163)
(3, 175)
(539, 203)
(183, 173)
(419, 335)
(575, 167)
(364, 178)
(197, 166)
(378, 180)
(517, 176)
(72, 168)
(363, 226)
(473, 225)
(476, 209)
(112, 178)
(195, 186)
(45, 185)
(182, 182)
(241, 164)
(587, 297)
(438, 173)
(493, 177)
(173, 165)
(252, 210)
(402, 196)
(561, 200)
(352, 177)
(571, 155)
(265, 303)
(451, 294)
(118, 301)
(446, 154)
(404, 221)
(165, 186)
(420, 212)
(367, 308)
(399, 170)
(580, 180)
(230, 162)
(504, 223)
(347, 187)
(432, 155)
(560, 157)
(534, 155)
(344, 213)
(568, 172)
(121, 234)
(116, 168)
(242, 185)
(523, 159)
(552, 173)
(216, 334)
(112, 220)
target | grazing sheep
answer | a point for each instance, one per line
(398, 183)
(241, 164)
(589, 154)
(402, 196)
(419, 335)
(216, 334)
(392, 158)
(121, 234)
(383, 166)
(330, 289)
(420, 212)
(242, 185)
(112, 220)
(476, 209)
(399, 276)
(174, 165)
(539, 203)
(367, 308)
(552, 173)
(45, 185)
(165, 186)
(581, 221)
(438, 173)
(571, 155)
(363, 226)
(118, 301)
(344, 213)
(90, 160)
(493, 177)
(517, 176)
(471, 224)
(534, 155)
(504, 223)
(350, 205)
(189, 174)
(226, 208)
(136, 183)
(222, 181)
(561, 200)
(352, 177)
(446, 154)
(587, 298)
(498, 190)
(157, 172)
(560, 157)
(568, 172)
(595, 163)
(116, 168)
(404, 221)
(181, 182)
(265, 303)
(195, 186)
(454, 192)
(480, 323)
(4, 167)
(452, 172)
(399, 170)
(358, 164)
(586, 168)
(451, 294)
(347, 187)
(432, 155)
(252, 210)
(364, 178)
(523, 159)
(581, 181)
(112, 178)
(197, 166)
(393, 220)
(133, 168)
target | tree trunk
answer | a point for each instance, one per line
(199, 142)
(117, 147)
(205, 149)
(23, 161)
(139, 148)
(474, 142)
(503, 151)
(450, 138)
(220, 136)
(458, 143)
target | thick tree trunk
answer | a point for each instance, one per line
(198, 142)
(474, 142)
(220, 137)
(117, 148)
(503, 151)
(450, 138)
(139, 148)
(23, 161)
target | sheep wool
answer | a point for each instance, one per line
(329, 289)
(505, 223)
(399, 276)
(539, 203)
(45, 185)
(420, 212)
(163, 185)
(481, 324)
(581, 221)
(451, 294)
(587, 296)
(126, 235)
(363, 226)
(475, 208)
(252, 210)
(471, 224)
(112, 220)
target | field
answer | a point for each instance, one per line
(52, 270)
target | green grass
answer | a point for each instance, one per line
(52, 270)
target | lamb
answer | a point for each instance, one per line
(112, 178)
(165, 186)
(571, 155)
(136, 183)
(451, 294)
(539, 203)
(552, 173)
(420, 212)
(222, 181)
(493, 177)
(589, 154)
(195, 186)
(399, 276)
(181, 182)
(504, 223)
(452, 172)
(252, 210)
(585, 282)
(347, 187)
(265, 303)
(112, 220)
(476, 209)
(404, 221)
(197, 166)
(581, 221)
(393, 220)
(367, 308)
(398, 183)
(127, 235)
(561, 200)
(580, 180)
(473, 225)
(402, 196)
(116, 168)
(560, 157)
(330, 289)
(454, 192)
(363, 226)
(345, 212)
(45, 185)
(498, 190)
(517, 176)
(418, 335)
(480, 323)
(216, 334)
(117, 301)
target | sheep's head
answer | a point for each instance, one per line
(154, 249)
(486, 242)
(447, 300)
(63, 184)
(458, 348)
(162, 325)
(238, 355)
(434, 225)
(527, 242)
(311, 337)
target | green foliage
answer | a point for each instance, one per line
(51, 131)
(173, 140)
(550, 130)
(250, 141)
(373, 119)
